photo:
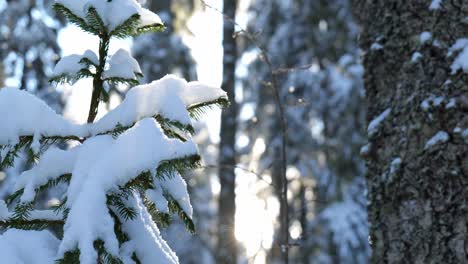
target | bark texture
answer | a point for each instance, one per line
(418, 207)
(227, 244)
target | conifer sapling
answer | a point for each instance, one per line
(123, 174)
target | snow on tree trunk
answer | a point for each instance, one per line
(417, 156)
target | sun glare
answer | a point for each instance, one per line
(254, 218)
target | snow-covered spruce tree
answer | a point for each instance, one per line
(123, 174)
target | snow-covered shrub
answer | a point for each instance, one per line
(122, 173)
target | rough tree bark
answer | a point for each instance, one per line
(226, 247)
(418, 192)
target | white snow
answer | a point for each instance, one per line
(416, 56)
(451, 104)
(156, 196)
(176, 186)
(439, 137)
(28, 247)
(122, 65)
(424, 37)
(432, 101)
(395, 165)
(4, 213)
(459, 44)
(113, 13)
(103, 163)
(169, 97)
(375, 123)
(148, 18)
(365, 149)
(36, 144)
(376, 46)
(435, 4)
(25, 115)
(68, 66)
(45, 215)
(53, 163)
(145, 238)
(461, 61)
(103, 166)
(465, 133)
(90, 55)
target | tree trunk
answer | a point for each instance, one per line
(305, 254)
(226, 248)
(417, 157)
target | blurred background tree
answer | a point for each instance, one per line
(313, 45)
(29, 49)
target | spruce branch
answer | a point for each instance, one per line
(70, 257)
(12, 153)
(115, 200)
(95, 20)
(65, 178)
(154, 28)
(71, 78)
(122, 237)
(30, 224)
(80, 22)
(163, 220)
(167, 168)
(117, 80)
(127, 28)
(104, 256)
(175, 208)
(197, 110)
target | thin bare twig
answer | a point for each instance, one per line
(260, 177)
(294, 69)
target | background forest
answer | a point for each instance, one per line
(311, 49)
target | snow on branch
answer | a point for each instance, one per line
(26, 115)
(170, 98)
(145, 239)
(123, 68)
(119, 18)
(16, 245)
(171, 101)
(53, 164)
(101, 167)
(74, 67)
